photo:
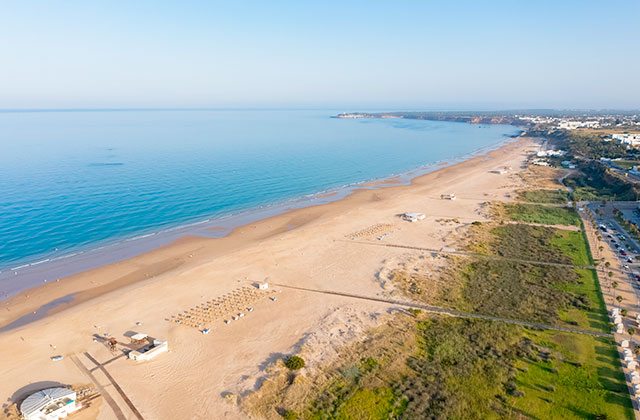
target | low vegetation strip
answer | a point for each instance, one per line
(544, 196)
(552, 294)
(441, 368)
(536, 213)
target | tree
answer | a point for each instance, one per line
(619, 298)
(631, 330)
(607, 264)
(600, 248)
(614, 284)
(294, 362)
(610, 274)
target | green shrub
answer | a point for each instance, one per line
(294, 362)
(289, 415)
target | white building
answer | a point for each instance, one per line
(149, 351)
(49, 404)
(540, 162)
(572, 125)
(413, 217)
(263, 286)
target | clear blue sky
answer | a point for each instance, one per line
(343, 54)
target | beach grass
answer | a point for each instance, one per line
(536, 213)
(576, 377)
(544, 196)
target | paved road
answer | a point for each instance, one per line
(451, 312)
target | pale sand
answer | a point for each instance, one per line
(308, 248)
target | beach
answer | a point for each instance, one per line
(343, 246)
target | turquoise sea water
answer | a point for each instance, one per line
(75, 180)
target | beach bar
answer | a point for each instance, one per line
(153, 348)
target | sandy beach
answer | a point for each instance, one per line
(344, 246)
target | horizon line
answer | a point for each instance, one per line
(417, 109)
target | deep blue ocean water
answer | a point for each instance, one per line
(74, 180)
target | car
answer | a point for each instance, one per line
(626, 267)
(623, 253)
(630, 260)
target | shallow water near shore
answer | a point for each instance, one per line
(76, 183)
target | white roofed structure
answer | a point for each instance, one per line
(412, 216)
(49, 404)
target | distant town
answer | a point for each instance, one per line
(543, 119)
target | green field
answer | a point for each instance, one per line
(480, 369)
(534, 213)
(572, 377)
(544, 196)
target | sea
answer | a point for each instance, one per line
(84, 187)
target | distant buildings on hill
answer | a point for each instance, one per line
(632, 140)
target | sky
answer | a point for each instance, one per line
(351, 55)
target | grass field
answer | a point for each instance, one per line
(534, 213)
(544, 196)
(572, 377)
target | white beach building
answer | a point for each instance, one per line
(49, 404)
(150, 351)
(412, 217)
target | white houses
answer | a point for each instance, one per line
(630, 139)
(263, 286)
(49, 404)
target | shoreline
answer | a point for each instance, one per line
(320, 248)
(22, 276)
(39, 301)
